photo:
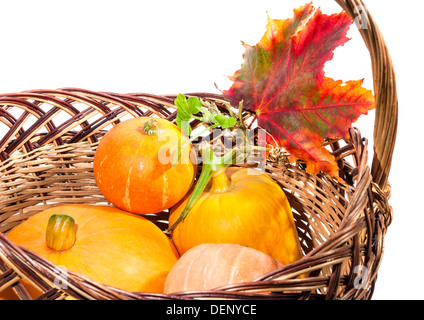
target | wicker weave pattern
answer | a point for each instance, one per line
(48, 162)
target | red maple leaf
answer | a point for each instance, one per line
(282, 79)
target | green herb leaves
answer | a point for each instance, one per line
(192, 108)
(186, 109)
(225, 121)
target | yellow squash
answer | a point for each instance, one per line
(240, 206)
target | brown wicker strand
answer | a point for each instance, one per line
(385, 128)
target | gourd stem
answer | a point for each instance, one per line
(61, 232)
(220, 183)
(197, 191)
(150, 128)
(212, 166)
(187, 143)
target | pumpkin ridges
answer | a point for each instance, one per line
(284, 219)
(209, 266)
(254, 213)
(236, 265)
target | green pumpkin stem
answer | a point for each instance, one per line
(150, 127)
(220, 183)
(61, 232)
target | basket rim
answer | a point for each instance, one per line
(384, 82)
(351, 224)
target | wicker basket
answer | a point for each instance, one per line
(341, 225)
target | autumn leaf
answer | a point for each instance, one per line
(282, 80)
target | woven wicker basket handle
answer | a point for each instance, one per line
(386, 116)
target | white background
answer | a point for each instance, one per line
(188, 46)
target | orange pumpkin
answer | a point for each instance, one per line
(241, 206)
(133, 165)
(103, 243)
(209, 266)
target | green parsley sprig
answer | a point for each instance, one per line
(193, 108)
